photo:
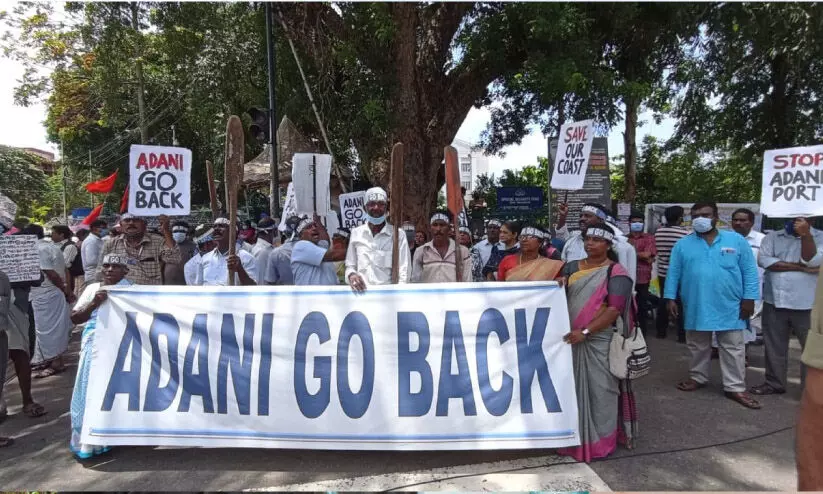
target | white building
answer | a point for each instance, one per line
(472, 164)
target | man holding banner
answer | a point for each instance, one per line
(434, 262)
(369, 258)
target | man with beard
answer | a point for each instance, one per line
(312, 260)
(434, 262)
(213, 267)
(369, 258)
(145, 252)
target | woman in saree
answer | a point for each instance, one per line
(600, 298)
(509, 232)
(85, 311)
(529, 264)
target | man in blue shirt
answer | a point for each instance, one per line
(312, 260)
(716, 275)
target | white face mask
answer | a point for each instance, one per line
(702, 225)
(178, 237)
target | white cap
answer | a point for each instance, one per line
(376, 194)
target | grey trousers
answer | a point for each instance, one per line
(732, 351)
(778, 326)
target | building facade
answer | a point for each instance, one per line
(473, 163)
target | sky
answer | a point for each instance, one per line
(23, 127)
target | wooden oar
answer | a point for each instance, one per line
(454, 198)
(212, 190)
(396, 210)
(234, 178)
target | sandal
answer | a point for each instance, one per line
(766, 389)
(34, 410)
(744, 399)
(6, 441)
(690, 385)
(51, 371)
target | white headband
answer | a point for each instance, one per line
(465, 230)
(114, 259)
(531, 231)
(600, 233)
(494, 223)
(341, 233)
(205, 237)
(593, 210)
(439, 217)
(376, 194)
(304, 223)
(222, 221)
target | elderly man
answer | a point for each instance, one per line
(50, 302)
(590, 214)
(312, 259)
(146, 252)
(263, 247)
(791, 258)
(212, 268)
(716, 275)
(369, 258)
(434, 262)
(484, 247)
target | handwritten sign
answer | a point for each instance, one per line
(8, 211)
(572, 159)
(792, 182)
(159, 181)
(18, 257)
(351, 209)
(289, 207)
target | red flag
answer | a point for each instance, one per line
(124, 202)
(95, 213)
(102, 186)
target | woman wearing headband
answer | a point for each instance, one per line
(600, 297)
(529, 264)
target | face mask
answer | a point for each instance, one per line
(178, 237)
(376, 221)
(104, 232)
(702, 225)
(636, 227)
(789, 226)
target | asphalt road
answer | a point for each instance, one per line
(689, 441)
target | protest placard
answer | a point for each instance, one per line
(18, 257)
(8, 211)
(351, 209)
(792, 180)
(159, 181)
(403, 367)
(305, 187)
(288, 207)
(572, 158)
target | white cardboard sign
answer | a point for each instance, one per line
(159, 181)
(792, 182)
(19, 258)
(351, 209)
(572, 159)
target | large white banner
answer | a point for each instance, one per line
(159, 180)
(412, 367)
(573, 152)
(792, 182)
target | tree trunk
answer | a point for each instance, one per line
(630, 149)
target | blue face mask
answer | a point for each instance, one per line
(104, 232)
(789, 226)
(178, 237)
(702, 225)
(376, 221)
(636, 227)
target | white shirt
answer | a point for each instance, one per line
(50, 259)
(191, 270)
(212, 268)
(371, 255)
(755, 239)
(261, 251)
(484, 247)
(90, 253)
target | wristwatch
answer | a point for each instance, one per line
(586, 332)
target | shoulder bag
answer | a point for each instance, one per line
(628, 355)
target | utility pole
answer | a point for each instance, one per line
(274, 169)
(138, 66)
(91, 196)
(63, 173)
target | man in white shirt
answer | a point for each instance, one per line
(369, 258)
(91, 248)
(312, 260)
(263, 247)
(484, 247)
(212, 268)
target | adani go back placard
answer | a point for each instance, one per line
(159, 180)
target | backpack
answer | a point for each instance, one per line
(76, 268)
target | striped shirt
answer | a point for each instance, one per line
(664, 239)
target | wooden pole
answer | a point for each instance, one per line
(396, 211)
(234, 178)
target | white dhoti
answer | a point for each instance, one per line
(18, 329)
(52, 323)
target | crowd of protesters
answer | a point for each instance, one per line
(720, 289)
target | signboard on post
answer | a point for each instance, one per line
(19, 258)
(792, 182)
(159, 181)
(403, 367)
(572, 161)
(596, 186)
(351, 209)
(519, 199)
